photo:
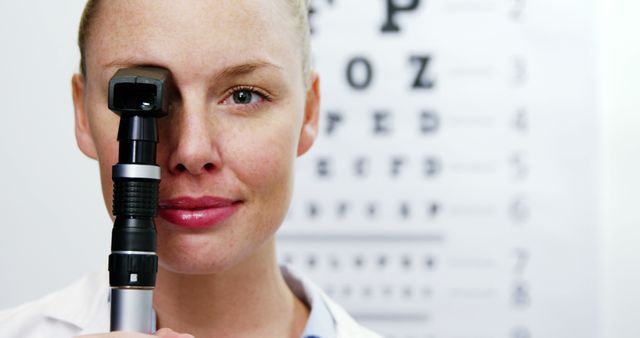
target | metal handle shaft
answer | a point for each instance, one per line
(132, 310)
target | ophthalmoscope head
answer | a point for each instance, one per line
(140, 91)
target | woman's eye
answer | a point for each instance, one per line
(244, 97)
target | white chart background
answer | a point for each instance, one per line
(471, 198)
(513, 216)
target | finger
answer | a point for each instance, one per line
(118, 334)
(168, 333)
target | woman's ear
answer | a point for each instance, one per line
(309, 130)
(83, 131)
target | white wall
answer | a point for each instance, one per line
(619, 52)
(43, 246)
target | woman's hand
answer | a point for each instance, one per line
(162, 333)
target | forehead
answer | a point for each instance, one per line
(196, 34)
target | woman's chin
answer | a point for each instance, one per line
(196, 253)
(215, 249)
(194, 263)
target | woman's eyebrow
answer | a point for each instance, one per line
(229, 72)
(127, 62)
(244, 69)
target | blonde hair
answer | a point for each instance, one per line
(299, 10)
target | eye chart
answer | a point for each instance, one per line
(452, 192)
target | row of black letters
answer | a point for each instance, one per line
(378, 261)
(519, 298)
(396, 166)
(430, 166)
(518, 210)
(360, 73)
(393, 10)
(428, 122)
(383, 292)
(396, 9)
(381, 122)
(342, 209)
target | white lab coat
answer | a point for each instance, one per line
(83, 308)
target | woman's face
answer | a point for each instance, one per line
(239, 118)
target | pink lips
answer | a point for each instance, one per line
(197, 213)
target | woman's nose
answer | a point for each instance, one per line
(191, 139)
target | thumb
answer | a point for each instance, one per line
(168, 333)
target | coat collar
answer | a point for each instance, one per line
(321, 322)
(85, 305)
(81, 303)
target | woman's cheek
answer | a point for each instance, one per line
(263, 158)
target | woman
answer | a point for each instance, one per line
(246, 105)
